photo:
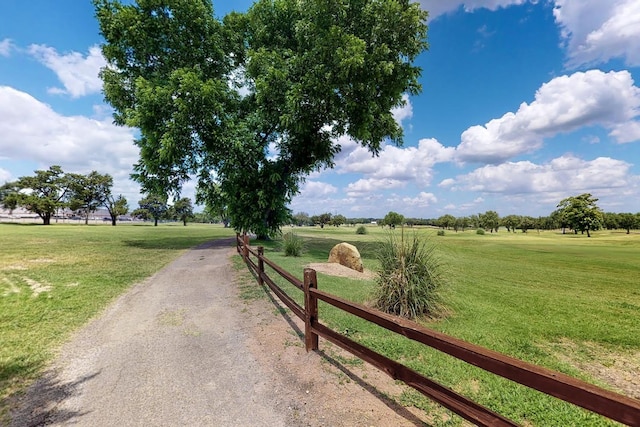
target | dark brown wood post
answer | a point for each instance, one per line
(245, 246)
(310, 309)
(238, 242)
(260, 265)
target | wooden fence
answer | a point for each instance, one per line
(612, 405)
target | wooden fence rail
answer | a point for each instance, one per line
(612, 405)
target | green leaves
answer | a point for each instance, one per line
(581, 213)
(309, 73)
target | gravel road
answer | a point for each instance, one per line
(170, 352)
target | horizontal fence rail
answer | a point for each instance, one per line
(609, 404)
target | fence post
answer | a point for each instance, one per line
(238, 242)
(260, 265)
(245, 246)
(310, 309)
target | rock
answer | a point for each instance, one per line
(347, 255)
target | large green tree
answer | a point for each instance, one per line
(581, 213)
(490, 220)
(256, 101)
(88, 192)
(43, 194)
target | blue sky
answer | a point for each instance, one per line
(523, 103)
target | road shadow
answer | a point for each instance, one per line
(39, 405)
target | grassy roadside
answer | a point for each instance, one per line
(55, 278)
(562, 301)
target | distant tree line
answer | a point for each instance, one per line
(49, 191)
(579, 214)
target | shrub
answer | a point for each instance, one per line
(292, 244)
(440, 232)
(362, 230)
(480, 231)
(410, 278)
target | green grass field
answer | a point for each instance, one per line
(562, 301)
(54, 279)
(565, 302)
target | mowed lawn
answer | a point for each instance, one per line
(566, 302)
(53, 279)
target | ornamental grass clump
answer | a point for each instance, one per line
(361, 230)
(410, 278)
(292, 244)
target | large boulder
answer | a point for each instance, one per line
(347, 255)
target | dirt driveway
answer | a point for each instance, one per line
(182, 348)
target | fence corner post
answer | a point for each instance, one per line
(238, 242)
(310, 309)
(260, 265)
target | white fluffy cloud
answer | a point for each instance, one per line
(397, 163)
(421, 200)
(440, 7)
(364, 187)
(563, 174)
(78, 73)
(595, 31)
(564, 104)
(316, 189)
(5, 176)
(403, 112)
(32, 131)
(6, 46)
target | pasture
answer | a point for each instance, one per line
(565, 302)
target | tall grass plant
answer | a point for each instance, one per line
(410, 278)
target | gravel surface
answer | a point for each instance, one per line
(182, 349)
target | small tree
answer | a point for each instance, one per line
(182, 210)
(302, 218)
(116, 206)
(510, 222)
(322, 219)
(9, 194)
(628, 221)
(393, 219)
(152, 206)
(526, 223)
(338, 220)
(446, 221)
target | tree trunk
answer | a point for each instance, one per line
(184, 222)
(155, 222)
(113, 220)
(588, 234)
